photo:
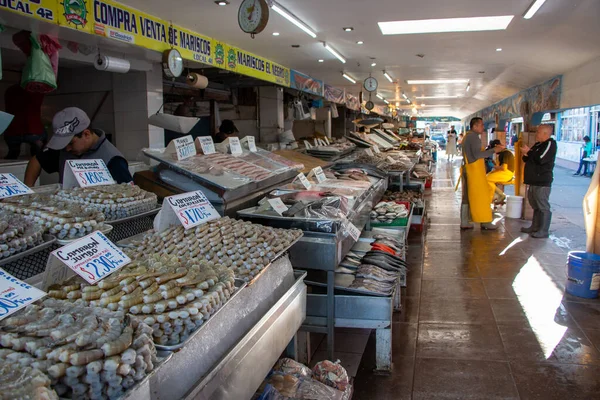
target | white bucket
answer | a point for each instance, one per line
(514, 207)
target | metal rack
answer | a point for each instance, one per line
(31, 262)
(127, 227)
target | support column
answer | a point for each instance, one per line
(270, 113)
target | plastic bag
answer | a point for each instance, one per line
(38, 75)
(284, 387)
(331, 374)
(291, 367)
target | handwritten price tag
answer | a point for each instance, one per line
(352, 230)
(184, 147)
(192, 209)
(87, 173)
(15, 294)
(376, 149)
(10, 186)
(369, 152)
(236, 146)
(319, 174)
(92, 257)
(305, 182)
(251, 144)
(207, 145)
(278, 205)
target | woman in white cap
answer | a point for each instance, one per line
(74, 139)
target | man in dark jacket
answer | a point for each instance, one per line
(539, 165)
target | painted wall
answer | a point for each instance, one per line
(569, 151)
(581, 86)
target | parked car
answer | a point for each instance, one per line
(440, 140)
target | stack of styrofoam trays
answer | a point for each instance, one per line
(65, 220)
(17, 234)
(386, 212)
(114, 201)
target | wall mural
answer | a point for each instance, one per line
(540, 98)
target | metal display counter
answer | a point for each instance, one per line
(131, 226)
(30, 262)
(238, 345)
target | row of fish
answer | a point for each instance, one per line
(114, 201)
(17, 234)
(241, 246)
(85, 352)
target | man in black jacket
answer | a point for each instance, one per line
(539, 165)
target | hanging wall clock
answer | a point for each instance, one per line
(172, 63)
(253, 16)
(371, 84)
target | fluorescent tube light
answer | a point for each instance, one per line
(405, 96)
(499, 49)
(468, 86)
(349, 78)
(534, 8)
(290, 17)
(321, 60)
(435, 81)
(385, 101)
(443, 25)
(437, 105)
(437, 97)
(335, 53)
(374, 64)
(388, 77)
(379, 96)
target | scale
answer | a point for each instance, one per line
(370, 84)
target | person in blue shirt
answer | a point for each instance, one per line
(586, 151)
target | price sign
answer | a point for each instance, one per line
(319, 174)
(391, 160)
(192, 209)
(251, 144)
(376, 149)
(235, 146)
(369, 152)
(86, 173)
(10, 186)
(92, 257)
(304, 181)
(184, 147)
(352, 230)
(15, 294)
(206, 144)
(278, 205)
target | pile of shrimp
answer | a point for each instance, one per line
(17, 234)
(86, 352)
(23, 382)
(244, 247)
(174, 295)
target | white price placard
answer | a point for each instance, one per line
(235, 146)
(251, 144)
(86, 173)
(352, 230)
(305, 182)
(92, 257)
(10, 186)
(206, 144)
(15, 294)
(376, 149)
(185, 147)
(369, 152)
(190, 209)
(278, 205)
(319, 174)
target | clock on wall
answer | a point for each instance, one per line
(370, 84)
(172, 63)
(253, 16)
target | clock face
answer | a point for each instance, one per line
(369, 106)
(173, 63)
(253, 16)
(370, 84)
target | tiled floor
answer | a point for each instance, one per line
(485, 316)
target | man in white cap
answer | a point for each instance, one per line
(73, 139)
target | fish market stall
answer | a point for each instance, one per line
(229, 182)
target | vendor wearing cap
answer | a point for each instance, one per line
(226, 130)
(74, 140)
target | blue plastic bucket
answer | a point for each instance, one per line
(583, 274)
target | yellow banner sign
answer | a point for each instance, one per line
(44, 10)
(192, 46)
(75, 14)
(252, 65)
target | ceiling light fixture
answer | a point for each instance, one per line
(468, 86)
(348, 29)
(397, 104)
(534, 8)
(374, 64)
(275, 33)
(405, 96)
(379, 96)
(321, 60)
(436, 97)
(360, 42)
(499, 49)
(385, 101)
(335, 53)
(222, 2)
(423, 105)
(388, 77)
(351, 79)
(435, 81)
(473, 24)
(294, 20)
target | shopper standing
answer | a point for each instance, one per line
(539, 174)
(477, 194)
(451, 150)
(586, 151)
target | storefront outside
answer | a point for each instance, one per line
(572, 126)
